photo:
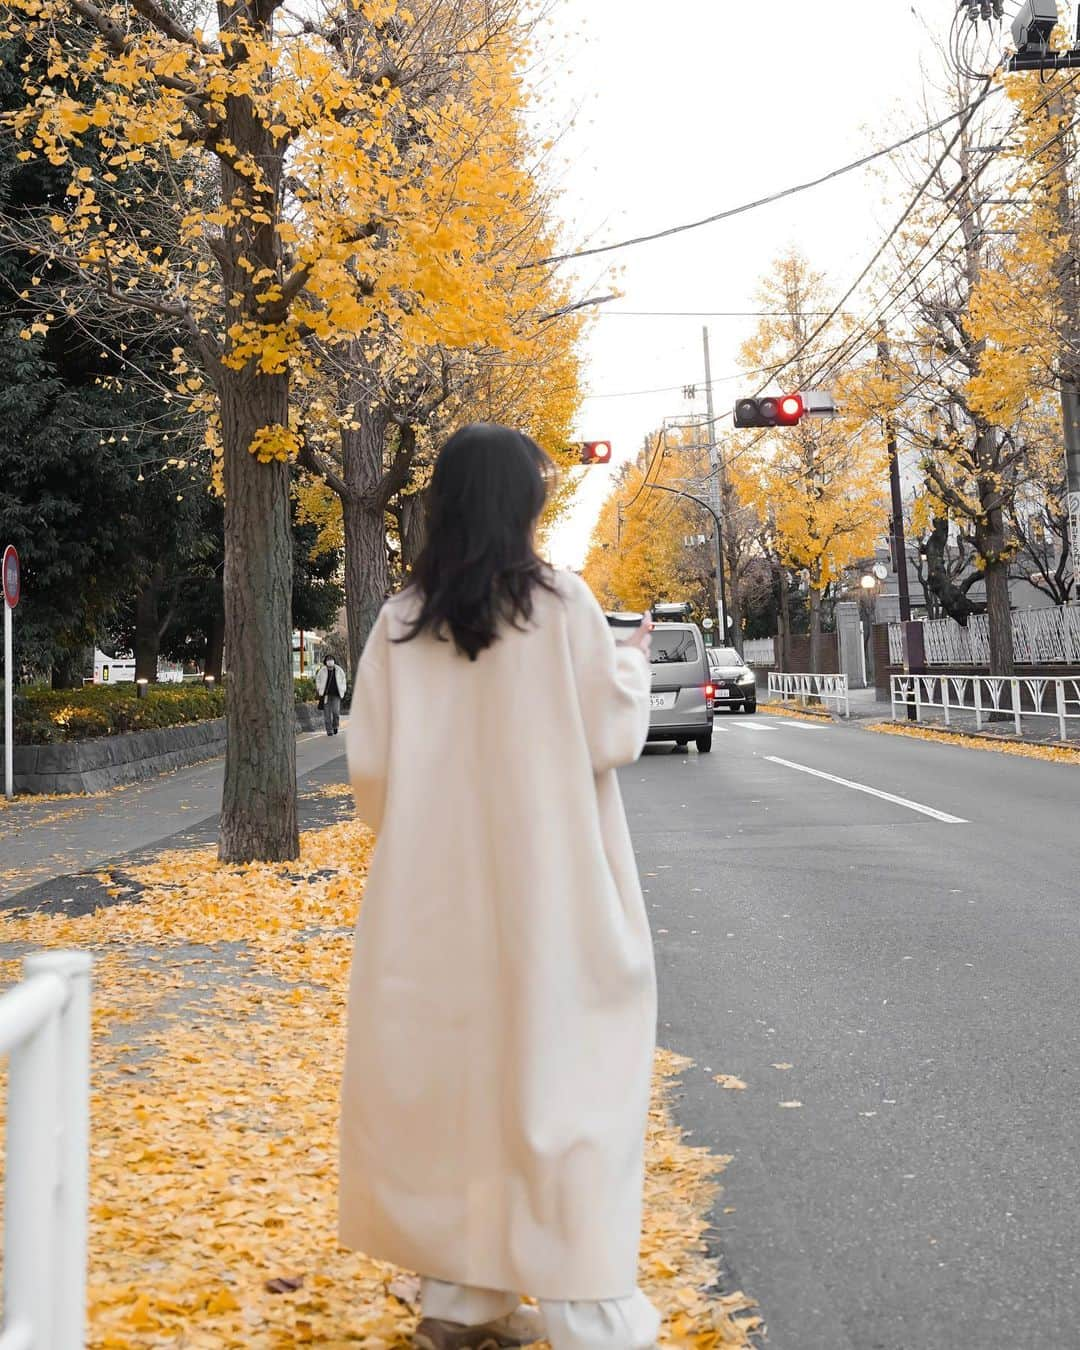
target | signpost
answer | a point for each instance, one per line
(11, 599)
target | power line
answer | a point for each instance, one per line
(707, 313)
(769, 200)
(648, 471)
(687, 384)
(965, 117)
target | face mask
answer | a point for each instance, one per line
(330, 664)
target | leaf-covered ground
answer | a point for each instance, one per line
(219, 1035)
(1056, 753)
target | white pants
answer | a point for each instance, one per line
(611, 1324)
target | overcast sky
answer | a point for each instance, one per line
(707, 104)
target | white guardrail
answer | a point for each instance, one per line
(805, 687)
(45, 1032)
(1016, 696)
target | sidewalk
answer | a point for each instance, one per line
(219, 1001)
(46, 838)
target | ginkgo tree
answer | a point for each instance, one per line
(380, 402)
(971, 377)
(820, 486)
(272, 139)
(639, 551)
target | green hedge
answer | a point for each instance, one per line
(44, 716)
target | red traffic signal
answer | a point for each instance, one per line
(596, 452)
(771, 411)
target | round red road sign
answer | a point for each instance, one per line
(11, 576)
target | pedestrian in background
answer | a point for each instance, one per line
(331, 684)
(502, 1003)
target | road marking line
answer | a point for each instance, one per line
(872, 791)
(792, 725)
(756, 726)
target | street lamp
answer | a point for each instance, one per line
(140, 687)
(868, 582)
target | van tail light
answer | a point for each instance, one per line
(710, 691)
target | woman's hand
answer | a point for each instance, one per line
(642, 637)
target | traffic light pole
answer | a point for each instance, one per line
(689, 496)
(715, 470)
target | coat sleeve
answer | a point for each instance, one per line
(368, 732)
(612, 683)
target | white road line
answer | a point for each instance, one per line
(792, 725)
(756, 726)
(873, 792)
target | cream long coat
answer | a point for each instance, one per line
(502, 1006)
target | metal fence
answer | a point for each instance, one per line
(759, 651)
(45, 1031)
(1041, 637)
(806, 688)
(990, 697)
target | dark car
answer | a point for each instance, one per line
(733, 680)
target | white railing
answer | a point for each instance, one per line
(45, 1031)
(759, 651)
(990, 697)
(805, 687)
(1041, 637)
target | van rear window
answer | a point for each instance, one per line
(673, 647)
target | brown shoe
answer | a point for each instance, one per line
(523, 1327)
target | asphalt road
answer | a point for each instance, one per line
(920, 977)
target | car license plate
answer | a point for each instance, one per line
(723, 693)
(662, 701)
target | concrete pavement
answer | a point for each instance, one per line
(44, 839)
(917, 975)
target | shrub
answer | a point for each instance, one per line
(44, 716)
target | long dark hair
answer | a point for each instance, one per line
(479, 567)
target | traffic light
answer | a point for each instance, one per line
(596, 452)
(785, 410)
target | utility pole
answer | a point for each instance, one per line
(714, 494)
(1070, 364)
(897, 540)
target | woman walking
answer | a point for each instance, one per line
(502, 1002)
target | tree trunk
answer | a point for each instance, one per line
(412, 522)
(367, 573)
(258, 813)
(999, 615)
(785, 623)
(815, 632)
(367, 569)
(215, 647)
(258, 810)
(147, 632)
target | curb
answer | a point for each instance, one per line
(107, 762)
(978, 740)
